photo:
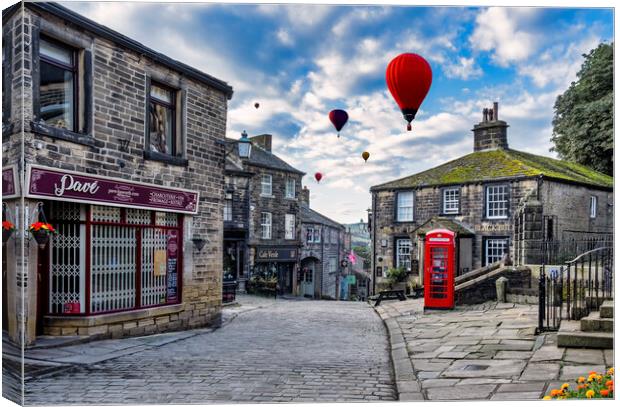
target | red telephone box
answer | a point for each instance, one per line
(439, 269)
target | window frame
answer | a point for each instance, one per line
(83, 80)
(487, 201)
(266, 227)
(287, 218)
(397, 253)
(263, 183)
(397, 206)
(593, 206)
(228, 210)
(444, 201)
(485, 247)
(290, 181)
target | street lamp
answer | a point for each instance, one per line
(245, 146)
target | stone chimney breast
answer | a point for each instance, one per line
(263, 141)
(304, 195)
(491, 133)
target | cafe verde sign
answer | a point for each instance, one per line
(56, 184)
(276, 254)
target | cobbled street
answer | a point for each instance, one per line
(301, 351)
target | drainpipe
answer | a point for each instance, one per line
(373, 240)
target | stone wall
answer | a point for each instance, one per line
(119, 81)
(277, 205)
(485, 290)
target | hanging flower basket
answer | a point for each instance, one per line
(7, 230)
(41, 232)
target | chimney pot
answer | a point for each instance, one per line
(495, 111)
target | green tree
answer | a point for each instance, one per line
(583, 121)
(364, 253)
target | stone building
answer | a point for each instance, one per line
(122, 151)
(325, 247)
(262, 219)
(496, 199)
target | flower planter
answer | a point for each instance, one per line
(6, 235)
(41, 237)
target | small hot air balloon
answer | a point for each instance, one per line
(409, 78)
(365, 155)
(256, 105)
(318, 176)
(339, 119)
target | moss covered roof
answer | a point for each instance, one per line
(500, 164)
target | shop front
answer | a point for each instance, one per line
(278, 263)
(117, 254)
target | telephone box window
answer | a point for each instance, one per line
(57, 85)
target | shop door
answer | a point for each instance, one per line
(307, 284)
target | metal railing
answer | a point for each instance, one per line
(573, 290)
(229, 291)
(562, 251)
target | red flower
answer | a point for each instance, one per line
(36, 226)
(7, 225)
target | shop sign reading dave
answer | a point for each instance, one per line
(57, 184)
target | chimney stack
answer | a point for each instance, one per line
(263, 141)
(491, 133)
(304, 195)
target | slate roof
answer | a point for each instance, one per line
(500, 164)
(311, 216)
(120, 39)
(263, 158)
(438, 222)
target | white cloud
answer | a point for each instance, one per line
(497, 30)
(299, 16)
(358, 16)
(465, 68)
(284, 37)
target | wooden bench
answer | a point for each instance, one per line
(390, 295)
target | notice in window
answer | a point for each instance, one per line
(160, 266)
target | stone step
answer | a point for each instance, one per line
(570, 335)
(594, 323)
(607, 309)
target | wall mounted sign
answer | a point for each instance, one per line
(61, 185)
(171, 277)
(9, 182)
(276, 254)
(493, 227)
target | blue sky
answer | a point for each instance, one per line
(301, 61)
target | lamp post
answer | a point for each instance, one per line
(245, 146)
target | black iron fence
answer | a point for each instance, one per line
(573, 290)
(562, 251)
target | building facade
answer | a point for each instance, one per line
(122, 152)
(324, 264)
(263, 225)
(498, 201)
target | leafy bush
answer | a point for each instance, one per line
(396, 275)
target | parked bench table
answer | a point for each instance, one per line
(390, 295)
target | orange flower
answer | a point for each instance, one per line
(555, 392)
(581, 379)
(7, 225)
(581, 387)
(592, 373)
(609, 383)
(604, 393)
(565, 386)
(590, 394)
(610, 371)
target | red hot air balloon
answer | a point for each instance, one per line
(409, 78)
(339, 119)
(318, 176)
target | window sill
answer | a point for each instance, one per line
(115, 317)
(497, 218)
(290, 198)
(451, 214)
(165, 158)
(62, 134)
(267, 196)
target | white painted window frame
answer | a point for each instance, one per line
(266, 185)
(266, 220)
(451, 196)
(289, 226)
(404, 213)
(492, 191)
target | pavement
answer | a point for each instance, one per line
(484, 352)
(265, 351)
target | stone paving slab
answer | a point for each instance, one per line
(506, 368)
(480, 392)
(532, 395)
(573, 372)
(541, 371)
